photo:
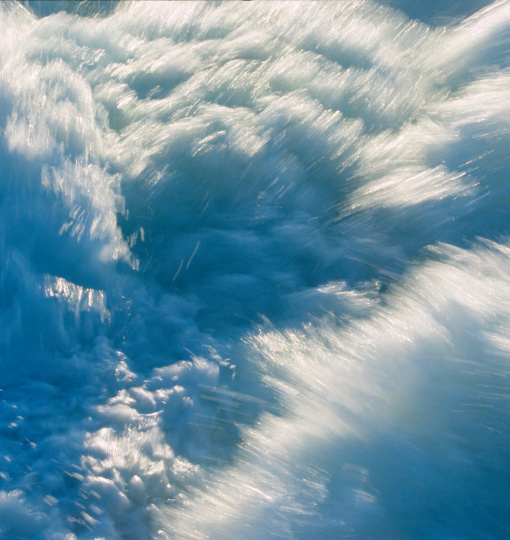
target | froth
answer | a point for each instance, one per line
(254, 272)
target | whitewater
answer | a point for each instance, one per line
(255, 270)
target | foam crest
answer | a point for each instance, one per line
(419, 355)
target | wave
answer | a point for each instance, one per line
(255, 269)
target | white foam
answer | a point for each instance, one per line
(244, 286)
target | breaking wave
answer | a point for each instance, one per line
(255, 270)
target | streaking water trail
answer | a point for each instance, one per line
(255, 270)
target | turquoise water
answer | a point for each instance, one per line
(255, 270)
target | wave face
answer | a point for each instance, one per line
(255, 270)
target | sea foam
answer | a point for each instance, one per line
(255, 269)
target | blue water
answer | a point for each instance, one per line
(255, 270)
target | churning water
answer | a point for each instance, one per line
(255, 270)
